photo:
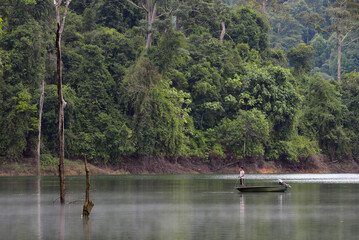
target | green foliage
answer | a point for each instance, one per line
(106, 138)
(246, 135)
(50, 117)
(301, 58)
(350, 93)
(250, 27)
(201, 17)
(1, 31)
(299, 146)
(24, 46)
(286, 31)
(205, 83)
(350, 58)
(248, 54)
(190, 93)
(323, 117)
(48, 160)
(320, 47)
(269, 89)
(156, 109)
(169, 52)
(18, 119)
(116, 14)
(210, 63)
(278, 58)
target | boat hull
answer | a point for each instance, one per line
(262, 189)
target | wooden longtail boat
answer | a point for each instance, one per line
(262, 189)
(282, 187)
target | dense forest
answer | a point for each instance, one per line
(274, 80)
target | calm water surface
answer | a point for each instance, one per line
(318, 206)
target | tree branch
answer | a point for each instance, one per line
(64, 15)
(143, 7)
(154, 13)
(165, 13)
(346, 35)
(57, 5)
(134, 4)
(348, 43)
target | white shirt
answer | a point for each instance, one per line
(241, 174)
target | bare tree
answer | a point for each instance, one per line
(151, 8)
(343, 24)
(42, 90)
(88, 205)
(62, 104)
(222, 11)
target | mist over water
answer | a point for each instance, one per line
(318, 206)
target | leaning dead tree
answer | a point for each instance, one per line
(88, 205)
(59, 29)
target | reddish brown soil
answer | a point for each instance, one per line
(153, 165)
(181, 165)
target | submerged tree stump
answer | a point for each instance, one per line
(88, 205)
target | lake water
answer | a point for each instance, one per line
(318, 206)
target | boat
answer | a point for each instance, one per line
(262, 189)
(282, 187)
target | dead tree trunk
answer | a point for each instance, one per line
(62, 103)
(339, 54)
(151, 15)
(42, 90)
(61, 119)
(264, 6)
(88, 205)
(223, 31)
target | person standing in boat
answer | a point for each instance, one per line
(241, 176)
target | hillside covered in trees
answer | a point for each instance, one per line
(271, 80)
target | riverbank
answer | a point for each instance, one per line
(159, 165)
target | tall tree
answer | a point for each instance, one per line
(249, 26)
(193, 17)
(247, 134)
(343, 24)
(60, 23)
(151, 8)
(222, 12)
(286, 32)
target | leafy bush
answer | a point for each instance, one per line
(48, 160)
(246, 135)
(299, 146)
